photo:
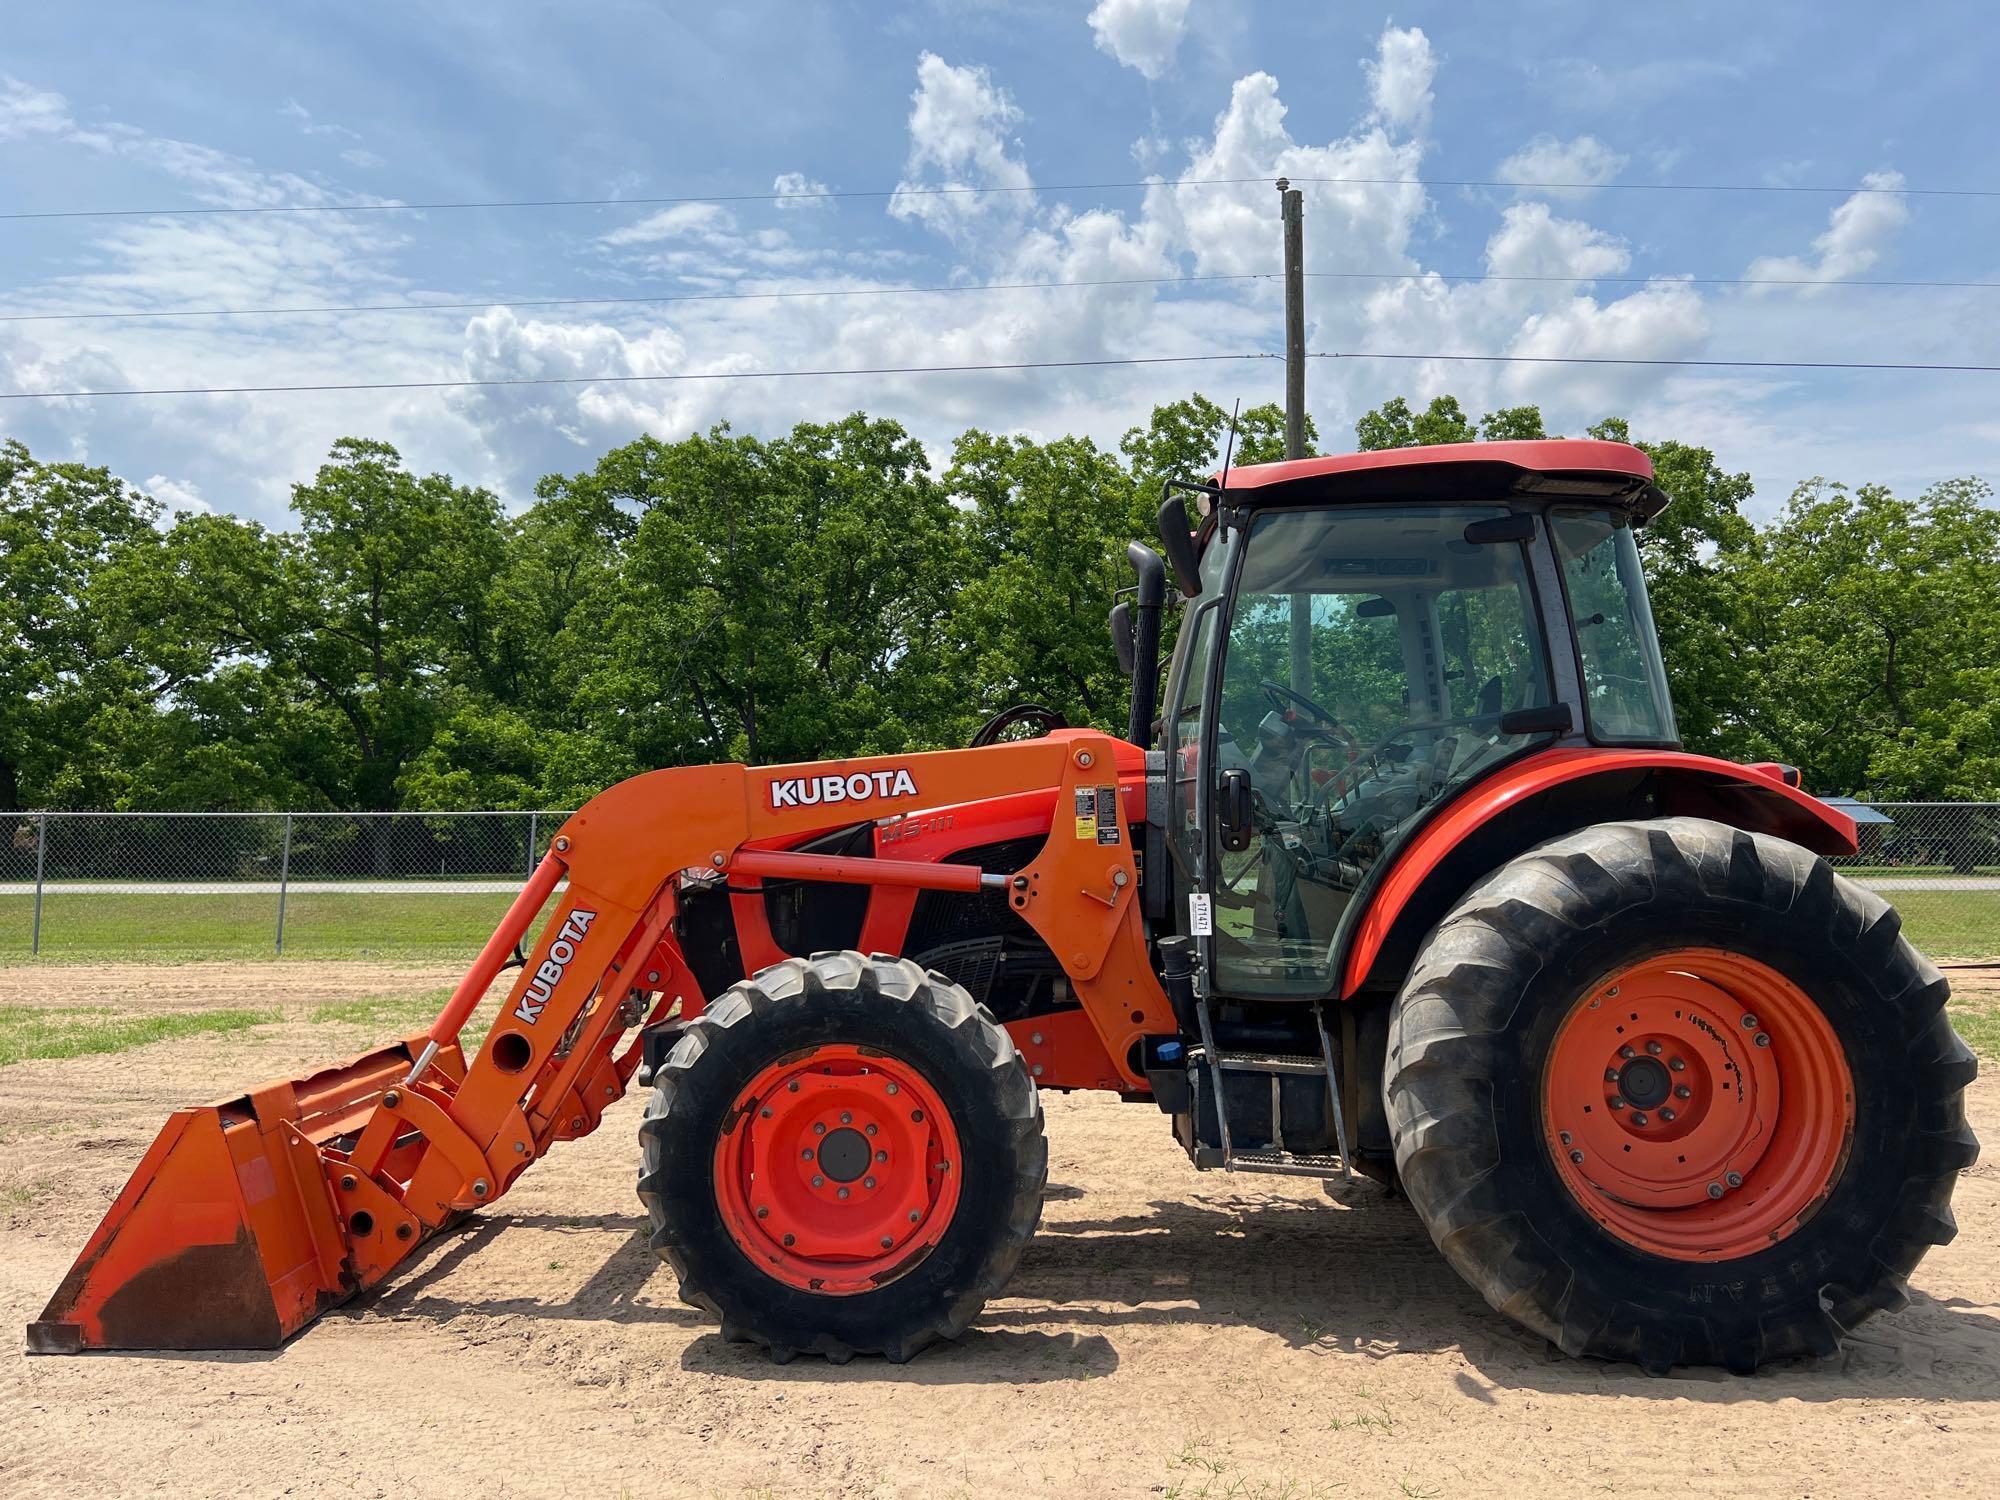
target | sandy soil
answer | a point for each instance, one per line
(1168, 1334)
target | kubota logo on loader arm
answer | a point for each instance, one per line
(811, 791)
(550, 974)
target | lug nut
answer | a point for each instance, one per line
(763, 1213)
(868, 1182)
(807, 1154)
(764, 1113)
(791, 1239)
(1610, 1075)
(1655, 1048)
(1761, 1039)
(818, 1181)
(1749, 1023)
(914, 1216)
(881, 1156)
(792, 1087)
(887, 1242)
(1677, 1064)
(819, 1127)
(1667, 1115)
(892, 1089)
(1565, 1137)
(1682, 1091)
(843, 1192)
(846, 1118)
(1638, 1117)
(1626, 1052)
(1616, 1102)
(1734, 1179)
(871, 1129)
(917, 1115)
(1715, 1190)
(1577, 1157)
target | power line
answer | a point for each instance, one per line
(831, 194)
(1469, 277)
(1696, 364)
(961, 369)
(866, 291)
(705, 375)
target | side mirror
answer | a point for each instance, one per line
(1177, 541)
(1121, 637)
(1233, 809)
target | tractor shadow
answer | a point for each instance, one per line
(1359, 1276)
(1356, 1277)
(630, 1287)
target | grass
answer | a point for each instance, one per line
(89, 1030)
(1951, 924)
(384, 1012)
(415, 924)
(1979, 1024)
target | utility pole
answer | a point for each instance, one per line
(1292, 213)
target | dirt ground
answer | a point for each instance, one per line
(1168, 1334)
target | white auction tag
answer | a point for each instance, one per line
(1201, 914)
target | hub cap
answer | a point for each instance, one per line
(837, 1169)
(1697, 1104)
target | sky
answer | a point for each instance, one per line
(130, 105)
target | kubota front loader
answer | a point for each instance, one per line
(1407, 876)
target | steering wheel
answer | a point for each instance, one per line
(1348, 774)
(1283, 698)
(1040, 721)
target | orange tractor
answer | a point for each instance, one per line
(1407, 877)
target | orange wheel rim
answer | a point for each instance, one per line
(1698, 1105)
(837, 1170)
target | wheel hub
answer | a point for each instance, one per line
(1697, 1104)
(837, 1169)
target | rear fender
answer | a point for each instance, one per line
(1551, 794)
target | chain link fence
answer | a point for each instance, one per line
(433, 885)
(1938, 863)
(245, 885)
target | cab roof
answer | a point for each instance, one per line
(1583, 468)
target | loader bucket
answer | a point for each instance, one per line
(228, 1234)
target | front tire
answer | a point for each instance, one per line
(843, 1155)
(1796, 1116)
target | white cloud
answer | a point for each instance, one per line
(682, 221)
(959, 125)
(1581, 84)
(1141, 34)
(1399, 78)
(811, 193)
(1857, 234)
(1583, 163)
(177, 496)
(28, 111)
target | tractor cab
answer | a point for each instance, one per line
(1364, 638)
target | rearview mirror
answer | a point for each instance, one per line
(1373, 609)
(1551, 719)
(1517, 527)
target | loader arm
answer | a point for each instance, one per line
(247, 1219)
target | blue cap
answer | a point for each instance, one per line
(1168, 1052)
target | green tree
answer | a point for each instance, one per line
(62, 527)
(777, 600)
(1394, 425)
(365, 627)
(1873, 644)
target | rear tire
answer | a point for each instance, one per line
(1862, 1082)
(747, 1141)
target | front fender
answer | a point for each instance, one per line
(1551, 793)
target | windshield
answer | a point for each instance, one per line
(1372, 654)
(1624, 684)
